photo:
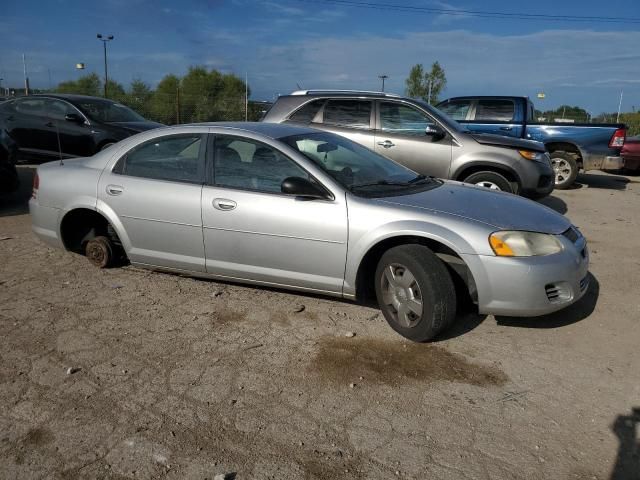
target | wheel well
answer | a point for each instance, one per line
(81, 225)
(365, 278)
(566, 147)
(512, 177)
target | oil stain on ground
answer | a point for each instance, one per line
(341, 360)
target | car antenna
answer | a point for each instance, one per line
(298, 85)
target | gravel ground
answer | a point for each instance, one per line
(127, 373)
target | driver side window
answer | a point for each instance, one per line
(403, 119)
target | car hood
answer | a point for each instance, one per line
(137, 126)
(508, 142)
(502, 211)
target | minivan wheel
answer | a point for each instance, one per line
(415, 292)
(490, 180)
(99, 251)
(565, 169)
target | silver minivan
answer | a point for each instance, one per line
(422, 138)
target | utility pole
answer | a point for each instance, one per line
(104, 41)
(26, 79)
(383, 77)
(430, 85)
(246, 97)
(619, 106)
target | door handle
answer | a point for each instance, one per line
(223, 204)
(114, 190)
(48, 124)
(387, 144)
(506, 129)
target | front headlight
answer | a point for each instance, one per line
(523, 244)
(530, 155)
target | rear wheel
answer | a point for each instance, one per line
(99, 251)
(491, 180)
(415, 292)
(565, 168)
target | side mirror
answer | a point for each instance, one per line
(301, 187)
(74, 117)
(434, 131)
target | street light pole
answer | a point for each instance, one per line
(383, 77)
(104, 40)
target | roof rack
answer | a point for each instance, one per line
(368, 92)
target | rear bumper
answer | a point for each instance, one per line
(613, 163)
(44, 223)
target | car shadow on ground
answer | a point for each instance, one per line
(572, 314)
(554, 203)
(17, 203)
(625, 427)
(608, 181)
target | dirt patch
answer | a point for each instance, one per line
(396, 362)
(38, 437)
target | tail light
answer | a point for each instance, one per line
(617, 140)
(36, 185)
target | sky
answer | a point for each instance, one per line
(283, 44)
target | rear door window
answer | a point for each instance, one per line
(177, 158)
(348, 113)
(31, 106)
(495, 110)
(456, 109)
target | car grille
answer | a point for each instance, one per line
(557, 292)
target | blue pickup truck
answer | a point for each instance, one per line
(572, 146)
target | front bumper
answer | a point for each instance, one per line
(531, 286)
(537, 178)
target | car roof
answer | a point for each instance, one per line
(73, 97)
(485, 97)
(272, 130)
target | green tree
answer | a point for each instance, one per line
(115, 91)
(426, 85)
(415, 86)
(436, 82)
(85, 85)
(139, 97)
(164, 100)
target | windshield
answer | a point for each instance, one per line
(355, 167)
(105, 111)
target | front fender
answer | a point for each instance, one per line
(414, 228)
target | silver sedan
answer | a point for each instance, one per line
(291, 207)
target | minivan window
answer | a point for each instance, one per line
(30, 106)
(307, 112)
(496, 110)
(456, 109)
(175, 157)
(348, 113)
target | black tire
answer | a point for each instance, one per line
(99, 251)
(435, 291)
(565, 168)
(491, 180)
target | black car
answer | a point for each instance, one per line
(8, 173)
(54, 126)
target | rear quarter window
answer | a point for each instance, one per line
(307, 112)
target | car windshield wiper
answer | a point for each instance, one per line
(387, 183)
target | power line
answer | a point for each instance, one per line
(476, 13)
